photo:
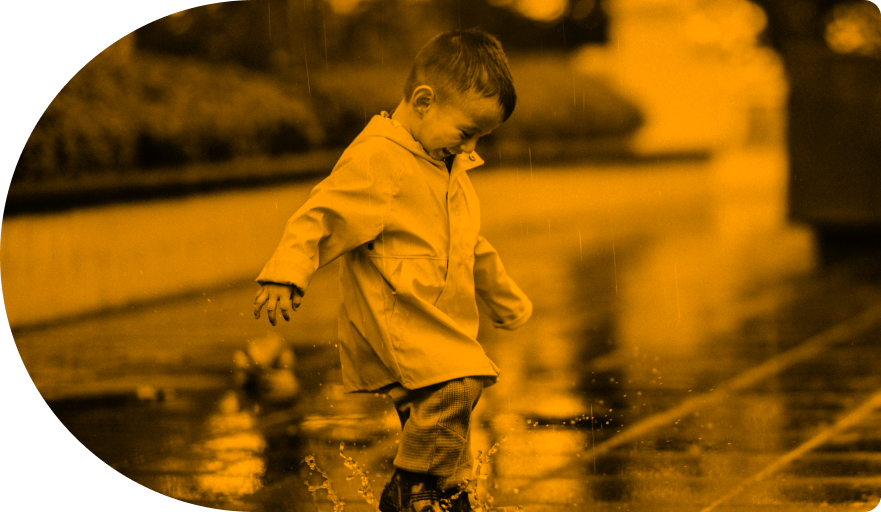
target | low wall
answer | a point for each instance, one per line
(67, 264)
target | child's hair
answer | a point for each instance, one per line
(462, 61)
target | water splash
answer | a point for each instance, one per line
(338, 504)
(366, 489)
(470, 484)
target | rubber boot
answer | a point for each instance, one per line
(410, 492)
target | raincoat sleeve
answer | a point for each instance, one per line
(343, 211)
(509, 307)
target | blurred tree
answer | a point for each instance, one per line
(526, 25)
(808, 20)
(395, 29)
(390, 30)
(223, 32)
(292, 34)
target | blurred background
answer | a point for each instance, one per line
(687, 172)
(248, 94)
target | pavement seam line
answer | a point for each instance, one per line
(746, 379)
(855, 416)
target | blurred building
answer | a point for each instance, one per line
(730, 74)
(698, 71)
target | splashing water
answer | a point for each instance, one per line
(366, 489)
(338, 504)
(470, 484)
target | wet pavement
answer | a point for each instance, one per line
(687, 353)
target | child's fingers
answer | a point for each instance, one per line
(270, 312)
(262, 297)
(275, 298)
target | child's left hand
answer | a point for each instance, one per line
(272, 294)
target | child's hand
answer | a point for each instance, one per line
(286, 297)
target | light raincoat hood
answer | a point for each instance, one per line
(413, 262)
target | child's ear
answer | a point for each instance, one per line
(423, 98)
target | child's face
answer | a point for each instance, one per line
(454, 126)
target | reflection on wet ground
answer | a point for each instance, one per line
(686, 353)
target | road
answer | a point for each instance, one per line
(687, 353)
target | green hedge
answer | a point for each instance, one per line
(555, 101)
(146, 111)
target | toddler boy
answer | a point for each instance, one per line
(401, 212)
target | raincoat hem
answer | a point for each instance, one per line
(478, 373)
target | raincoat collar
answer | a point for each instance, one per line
(384, 126)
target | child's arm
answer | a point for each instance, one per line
(509, 306)
(344, 211)
(286, 297)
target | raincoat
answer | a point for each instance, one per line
(413, 262)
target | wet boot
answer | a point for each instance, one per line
(410, 492)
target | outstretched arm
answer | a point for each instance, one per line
(344, 211)
(509, 306)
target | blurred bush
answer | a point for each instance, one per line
(148, 111)
(348, 95)
(555, 101)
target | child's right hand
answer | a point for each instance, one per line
(277, 297)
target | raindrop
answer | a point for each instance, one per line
(580, 249)
(676, 276)
(306, 60)
(531, 179)
(324, 26)
(593, 440)
(615, 262)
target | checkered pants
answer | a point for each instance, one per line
(436, 423)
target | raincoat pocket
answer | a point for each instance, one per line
(457, 300)
(413, 286)
(423, 278)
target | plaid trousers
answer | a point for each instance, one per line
(436, 424)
